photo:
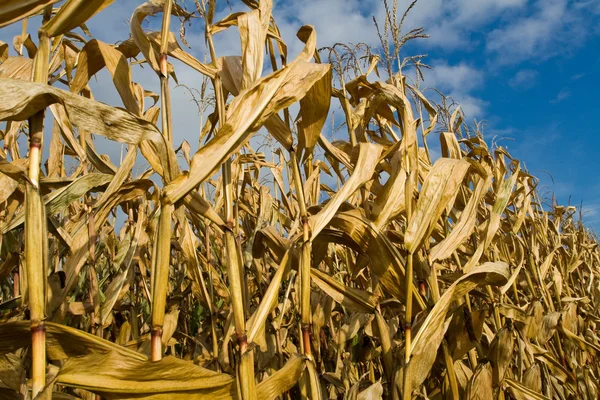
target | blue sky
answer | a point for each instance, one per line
(528, 68)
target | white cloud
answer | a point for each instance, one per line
(457, 78)
(448, 22)
(542, 34)
(344, 21)
(458, 81)
(524, 79)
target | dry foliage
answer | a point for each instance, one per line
(412, 279)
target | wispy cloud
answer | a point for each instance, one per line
(524, 79)
(591, 215)
(563, 94)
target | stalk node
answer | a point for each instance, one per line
(163, 65)
(37, 326)
(306, 340)
(242, 340)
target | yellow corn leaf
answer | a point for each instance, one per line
(282, 380)
(58, 200)
(502, 198)
(480, 386)
(314, 108)
(17, 68)
(390, 202)
(464, 226)
(12, 11)
(439, 188)
(175, 51)
(522, 392)
(253, 27)
(115, 377)
(143, 41)
(62, 341)
(269, 300)
(430, 334)
(3, 51)
(450, 146)
(269, 95)
(361, 235)
(96, 55)
(355, 299)
(368, 157)
(72, 14)
(20, 100)
(230, 71)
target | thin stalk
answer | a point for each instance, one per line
(304, 257)
(424, 136)
(161, 279)
(409, 289)
(450, 374)
(213, 314)
(165, 98)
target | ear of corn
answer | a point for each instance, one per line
(364, 269)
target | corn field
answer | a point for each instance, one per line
(358, 267)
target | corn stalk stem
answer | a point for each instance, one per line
(450, 373)
(306, 249)
(35, 235)
(409, 289)
(310, 379)
(163, 251)
(246, 379)
(161, 279)
(165, 98)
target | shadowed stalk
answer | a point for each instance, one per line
(234, 273)
(450, 374)
(211, 298)
(311, 377)
(304, 256)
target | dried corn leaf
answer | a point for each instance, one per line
(432, 331)
(12, 11)
(20, 100)
(116, 377)
(73, 14)
(96, 55)
(355, 299)
(368, 157)
(439, 188)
